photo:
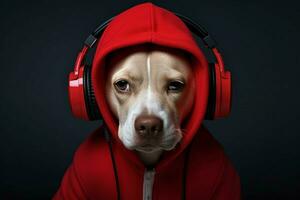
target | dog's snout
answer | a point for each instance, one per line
(148, 125)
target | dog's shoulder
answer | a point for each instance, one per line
(92, 144)
(205, 144)
(211, 165)
(92, 161)
(90, 174)
(93, 151)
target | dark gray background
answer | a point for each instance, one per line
(39, 42)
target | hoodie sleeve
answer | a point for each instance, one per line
(70, 187)
(229, 186)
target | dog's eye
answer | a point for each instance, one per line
(175, 86)
(122, 86)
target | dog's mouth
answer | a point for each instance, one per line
(164, 144)
(147, 148)
(166, 141)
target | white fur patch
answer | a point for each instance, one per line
(149, 101)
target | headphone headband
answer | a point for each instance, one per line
(92, 38)
(193, 26)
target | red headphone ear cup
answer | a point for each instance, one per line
(223, 93)
(76, 94)
(226, 96)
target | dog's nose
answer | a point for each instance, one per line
(148, 125)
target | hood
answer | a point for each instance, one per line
(148, 23)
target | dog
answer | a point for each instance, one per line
(151, 86)
(150, 89)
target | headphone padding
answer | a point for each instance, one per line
(89, 95)
(211, 103)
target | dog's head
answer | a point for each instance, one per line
(150, 89)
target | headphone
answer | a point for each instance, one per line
(81, 93)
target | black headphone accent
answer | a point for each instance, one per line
(89, 95)
(211, 103)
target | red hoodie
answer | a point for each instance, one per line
(204, 173)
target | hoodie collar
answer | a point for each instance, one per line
(148, 23)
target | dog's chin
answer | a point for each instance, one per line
(167, 143)
(166, 146)
(147, 148)
(151, 148)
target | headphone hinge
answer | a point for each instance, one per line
(90, 41)
(209, 41)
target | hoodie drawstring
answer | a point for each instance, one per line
(185, 166)
(185, 169)
(109, 141)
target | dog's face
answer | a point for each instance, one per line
(150, 91)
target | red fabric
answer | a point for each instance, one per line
(210, 174)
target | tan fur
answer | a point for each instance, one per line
(149, 68)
